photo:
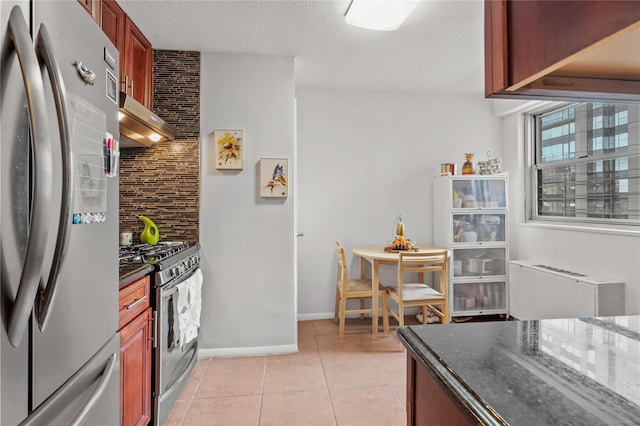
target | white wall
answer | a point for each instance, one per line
(249, 303)
(601, 254)
(362, 158)
(365, 157)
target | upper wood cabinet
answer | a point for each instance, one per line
(137, 64)
(562, 49)
(93, 7)
(136, 53)
(112, 23)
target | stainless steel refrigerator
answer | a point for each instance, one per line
(59, 346)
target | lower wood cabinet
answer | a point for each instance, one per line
(430, 402)
(135, 354)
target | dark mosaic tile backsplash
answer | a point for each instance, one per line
(163, 182)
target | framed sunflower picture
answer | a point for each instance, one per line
(274, 174)
(229, 149)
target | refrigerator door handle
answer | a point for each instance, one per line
(46, 57)
(102, 385)
(18, 36)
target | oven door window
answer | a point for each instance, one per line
(172, 323)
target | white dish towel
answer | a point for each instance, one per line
(189, 306)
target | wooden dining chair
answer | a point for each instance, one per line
(347, 288)
(409, 294)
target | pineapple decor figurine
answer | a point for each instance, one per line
(468, 168)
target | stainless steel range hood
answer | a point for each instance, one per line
(139, 127)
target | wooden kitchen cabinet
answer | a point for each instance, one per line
(136, 52)
(562, 49)
(134, 299)
(93, 7)
(136, 65)
(112, 23)
(429, 401)
(135, 353)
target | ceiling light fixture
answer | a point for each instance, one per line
(380, 15)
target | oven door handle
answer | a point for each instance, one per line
(171, 286)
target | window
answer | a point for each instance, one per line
(586, 163)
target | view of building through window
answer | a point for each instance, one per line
(587, 162)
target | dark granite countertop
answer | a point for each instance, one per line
(131, 272)
(583, 371)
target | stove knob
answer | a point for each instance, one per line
(172, 273)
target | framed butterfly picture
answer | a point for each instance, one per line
(274, 177)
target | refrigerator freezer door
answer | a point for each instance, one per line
(85, 313)
(90, 397)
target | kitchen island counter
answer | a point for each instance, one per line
(548, 372)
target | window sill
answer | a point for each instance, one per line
(596, 228)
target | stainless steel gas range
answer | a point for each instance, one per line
(176, 281)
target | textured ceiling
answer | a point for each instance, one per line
(439, 48)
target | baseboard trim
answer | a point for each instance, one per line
(253, 351)
(318, 316)
(330, 315)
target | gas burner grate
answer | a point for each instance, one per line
(147, 253)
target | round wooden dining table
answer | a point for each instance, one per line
(376, 256)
